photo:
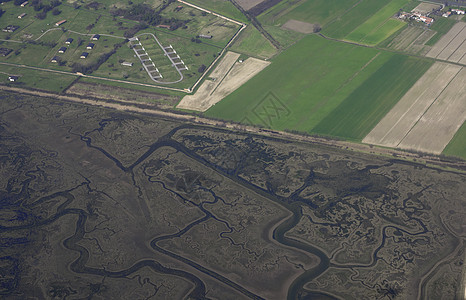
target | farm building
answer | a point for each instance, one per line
(163, 26)
(127, 64)
(24, 3)
(205, 36)
(84, 55)
(60, 23)
(62, 50)
(458, 11)
(55, 59)
(95, 37)
(13, 78)
(22, 15)
(447, 14)
(69, 41)
(90, 46)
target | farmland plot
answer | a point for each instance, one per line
(428, 115)
(439, 124)
(452, 46)
(412, 39)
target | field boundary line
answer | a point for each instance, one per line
(436, 98)
(430, 160)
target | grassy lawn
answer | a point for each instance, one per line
(379, 26)
(251, 42)
(36, 79)
(352, 18)
(312, 11)
(441, 26)
(367, 105)
(457, 146)
(307, 89)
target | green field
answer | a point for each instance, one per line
(441, 26)
(379, 26)
(312, 11)
(41, 80)
(251, 42)
(352, 18)
(370, 102)
(309, 88)
(457, 146)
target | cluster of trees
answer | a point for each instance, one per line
(42, 8)
(149, 16)
(88, 69)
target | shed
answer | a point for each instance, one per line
(22, 15)
(127, 64)
(84, 55)
(55, 59)
(24, 3)
(205, 36)
(90, 46)
(95, 37)
(13, 77)
(62, 50)
(60, 23)
(69, 41)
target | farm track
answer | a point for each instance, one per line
(422, 158)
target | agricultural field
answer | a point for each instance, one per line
(379, 26)
(223, 7)
(441, 26)
(315, 11)
(452, 46)
(457, 145)
(305, 91)
(352, 18)
(371, 101)
(434, 99)
(251, 42)
(37, 42)
(412, 39)
(227, 76)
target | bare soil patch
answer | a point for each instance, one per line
(449, 43)
(230, 76)
(395, 126)
(439, 124)
(425, 8)
(299, 26)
